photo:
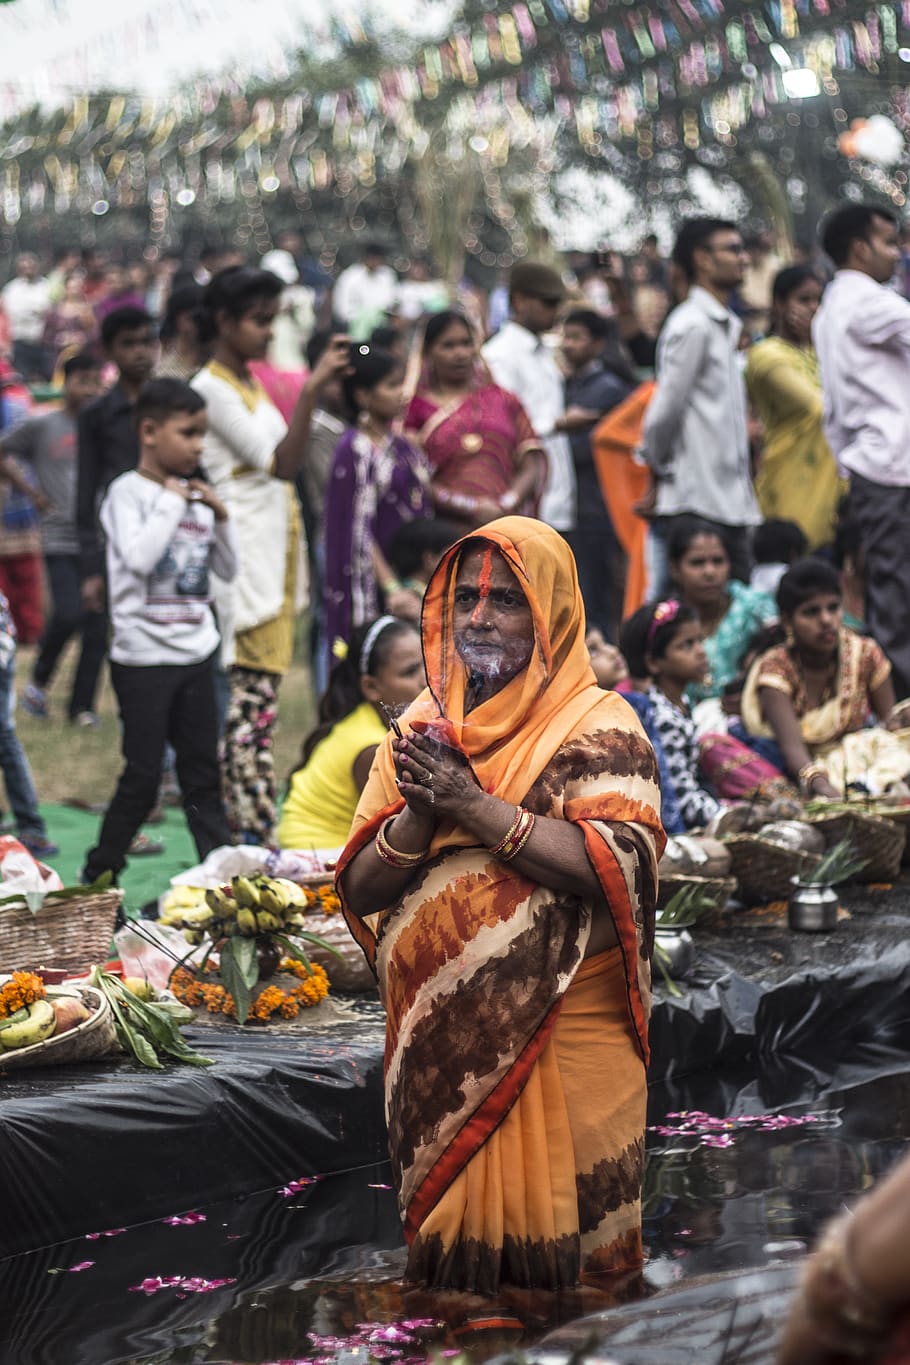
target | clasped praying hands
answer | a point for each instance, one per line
(434, 779)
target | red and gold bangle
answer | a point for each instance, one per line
(393, 856)
(515, 837)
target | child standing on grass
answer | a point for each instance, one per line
(166, 530)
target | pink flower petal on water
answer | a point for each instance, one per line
(81, 1265)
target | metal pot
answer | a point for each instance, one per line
(679, 946)
(812, 907)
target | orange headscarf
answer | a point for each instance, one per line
(510, 738)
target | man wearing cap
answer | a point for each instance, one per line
(521, 361)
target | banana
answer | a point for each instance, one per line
(193, 936)
(246, 922)
(217, 900)
(246, 893)
(267, 923)
(295, 895)
(17, 1018)
(272, 900)
(39, 1025)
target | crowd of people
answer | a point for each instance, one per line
(560, 607)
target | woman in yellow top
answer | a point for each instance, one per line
(797, 479)
(383, 667)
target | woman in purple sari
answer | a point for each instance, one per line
(486, 458)
(378, 481)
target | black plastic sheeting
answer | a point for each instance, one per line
(343, 1228)
(83, 1148)
(792, 1002)
(722, 1320)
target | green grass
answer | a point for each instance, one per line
(72, 764)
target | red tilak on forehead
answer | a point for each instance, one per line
(485, 579)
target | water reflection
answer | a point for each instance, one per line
(305, 1270)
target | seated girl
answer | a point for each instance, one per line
(730, 612)
(383, 666)
(664, 642)
(814, 694)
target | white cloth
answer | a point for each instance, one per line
(766, 577)
(238, 456)
(160, 552)
(26, 304)
(361, 293)
(862, 337)
(695, 436)
(523, 363)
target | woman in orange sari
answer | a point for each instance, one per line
(501, 878)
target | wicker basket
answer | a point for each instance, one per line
(73, 933)
(763, 870)
(897, 810)
(719, 888)
(881, 842)
(97, 1037)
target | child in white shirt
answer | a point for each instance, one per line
(166, 532)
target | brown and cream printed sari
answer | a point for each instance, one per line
(515, 1064)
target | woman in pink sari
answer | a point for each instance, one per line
(486, 458)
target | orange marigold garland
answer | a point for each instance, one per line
(273, 1000)
(24, 989)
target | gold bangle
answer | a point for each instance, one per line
(393, 856)
(807, 775)
(509, 834)
(515, 838)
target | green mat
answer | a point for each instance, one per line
(143, 879)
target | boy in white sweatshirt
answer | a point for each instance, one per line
(166, 532)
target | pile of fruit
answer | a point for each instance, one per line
(28, 1017)
(249, 906)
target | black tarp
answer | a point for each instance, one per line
(109, 1143)
(87, 1146)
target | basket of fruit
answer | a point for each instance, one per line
(52, 1025)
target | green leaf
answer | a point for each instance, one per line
(320, 943)
(145, 1053)
(293, 951)
(19, 1017)
(247, 960)
(234, 982)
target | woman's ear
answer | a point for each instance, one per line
(369, 688)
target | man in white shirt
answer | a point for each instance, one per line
(521, 361)
(696, 437)
(862, 336)
(365, 292)
(26, 302)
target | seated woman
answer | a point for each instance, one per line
(814, 693)
(501, 878)
(381, 667)
(730, 612)
(485, 456)
(663, 640)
